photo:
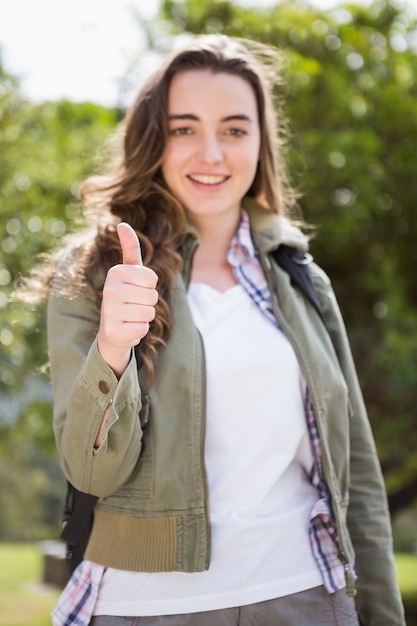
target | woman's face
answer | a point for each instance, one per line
(212, 152)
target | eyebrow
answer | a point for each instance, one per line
(190, 116)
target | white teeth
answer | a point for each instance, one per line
(208, 180)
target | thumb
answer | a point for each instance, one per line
(130, 244)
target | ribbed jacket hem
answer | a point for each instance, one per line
(148, 544)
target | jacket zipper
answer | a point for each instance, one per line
(349, 577)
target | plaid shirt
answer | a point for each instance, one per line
(75, 606)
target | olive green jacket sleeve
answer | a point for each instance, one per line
(84, 389)
(368, 521)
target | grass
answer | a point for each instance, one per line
(25, 600)
(407, 574)
(407, 580)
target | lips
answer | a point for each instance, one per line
(208, 179)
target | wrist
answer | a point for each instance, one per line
(117, 358)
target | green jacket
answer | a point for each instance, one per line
(153, 511)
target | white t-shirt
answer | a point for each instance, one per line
(258, 459)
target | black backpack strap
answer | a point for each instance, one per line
(296, 264)
(77, 523)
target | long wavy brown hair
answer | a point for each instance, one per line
(133, 188)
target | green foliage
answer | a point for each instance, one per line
(32, 494)
(351, 98)
(46, 150)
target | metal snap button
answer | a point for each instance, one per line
(103, 386)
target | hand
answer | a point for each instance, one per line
(128, 306)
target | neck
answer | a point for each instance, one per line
(210, 263)
(216, 232)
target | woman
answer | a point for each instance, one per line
(197, 391)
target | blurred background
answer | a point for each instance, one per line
(67, 73)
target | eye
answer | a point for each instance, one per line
(236, 132)
(182, 130)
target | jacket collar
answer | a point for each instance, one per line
(270, 230)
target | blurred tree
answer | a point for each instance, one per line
(45, 150)
(351, 98)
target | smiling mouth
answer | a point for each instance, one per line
(205, 179)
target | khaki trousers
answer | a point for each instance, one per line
(313, 607)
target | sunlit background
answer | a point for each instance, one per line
(67, 72)
(81, 49)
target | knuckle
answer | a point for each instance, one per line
(148, 314)
(150, 276)
(112, 272)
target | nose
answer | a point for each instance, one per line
(211, 150)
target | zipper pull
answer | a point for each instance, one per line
(349, 575)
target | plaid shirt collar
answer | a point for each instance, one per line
(248, 270)
(242, 247)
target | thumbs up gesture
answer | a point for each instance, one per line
(128, 305)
